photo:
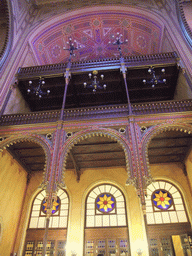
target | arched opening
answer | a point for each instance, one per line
(106, 229)
(4, 26)
(170, 146)
(23, 161)
(97, 149)
(168, 221)
(5, 30)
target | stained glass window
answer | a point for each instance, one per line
(162, 199)
(56, 205)
(164, 204)
(105, 203)
(105, 207)
(59, 218)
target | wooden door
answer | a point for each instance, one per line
(106, 242)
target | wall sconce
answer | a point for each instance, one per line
(155, 79)
(38, 90)
(139, 251)
(95, 83)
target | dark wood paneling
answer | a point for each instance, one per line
(53, 234)
(103, 233)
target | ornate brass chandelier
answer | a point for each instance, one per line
(154, 80)
(38, 89)
(95, 82)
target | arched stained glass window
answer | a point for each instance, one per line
(60, 209)
(105, 207)
(164, 204)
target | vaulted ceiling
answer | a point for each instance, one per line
(93, 29)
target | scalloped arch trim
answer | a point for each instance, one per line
(109, 133)
(30, 138)
(158, 130)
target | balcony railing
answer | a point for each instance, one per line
(130, 61)
(115, 111)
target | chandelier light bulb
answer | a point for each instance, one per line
(102, 76)
(28, 90)
(30, 82)
(48, 91)
(163, 70)
(104, 86)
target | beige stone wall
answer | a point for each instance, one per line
(90, 178)
(77, 194)
(12, 183)
(188, 164)
(32, 190)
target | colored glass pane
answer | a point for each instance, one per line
(55, 206)
(162, 199)
(105, 202)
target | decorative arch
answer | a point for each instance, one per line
(8, 36)
(155, 130)
(83, 22)
(33, 138)
(106, 132)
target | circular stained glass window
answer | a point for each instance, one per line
(55, 208)
(105, 202)
(162, 199)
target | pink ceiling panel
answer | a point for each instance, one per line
(93, 31)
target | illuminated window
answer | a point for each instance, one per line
(60, 209)
(105, 207)
(164, 204)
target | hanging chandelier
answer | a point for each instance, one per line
(154, 80)
(118, 41)
(95, 82)
(38, 90)
(72, 46)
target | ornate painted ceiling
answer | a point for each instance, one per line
(93, 30)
